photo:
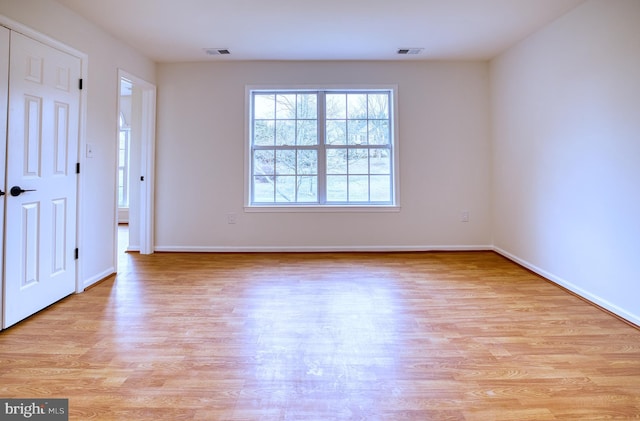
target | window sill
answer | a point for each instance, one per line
(321, 209)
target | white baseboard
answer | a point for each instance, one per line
(99, 277)
(621, 312)
(123, 215)
(315, 249)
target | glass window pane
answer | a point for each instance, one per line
(336, 106)
(336, 188)
(357, 130)
(263, 189)
(264, 106)
(336, 132)
(379, 106)
(308, 106)
(378, 132)
(358, 161)
(307, 132)
(285, 106)
(336, 161)
(358, 188)
(356, 106)
(307, 162)
(286, 162)
(356, 150)
(285, 132)
(263, 133)
(379, 161)
(307, 189)
(286, 189)
(380, 188)
(264, 162)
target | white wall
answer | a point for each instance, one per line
(98, 174)
(444, 159)
(566, 120)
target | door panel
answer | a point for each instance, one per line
(61, 151)
(30, 244)
(59, 234)
(4, 98)
(41, 155)
(32, 136)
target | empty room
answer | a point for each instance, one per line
(340, 210)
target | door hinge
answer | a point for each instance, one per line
(80, 84)
(76, 253)
(77, 168)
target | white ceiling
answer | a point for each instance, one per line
(179, 30)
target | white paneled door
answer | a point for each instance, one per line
(41, 179)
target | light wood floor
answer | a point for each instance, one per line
(398, 336)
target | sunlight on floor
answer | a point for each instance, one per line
(321, 343)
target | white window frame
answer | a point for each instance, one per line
(394, 205)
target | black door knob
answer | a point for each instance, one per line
(2, 193)
(17, 191)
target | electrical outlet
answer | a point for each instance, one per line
(464, 216)
(232, 218)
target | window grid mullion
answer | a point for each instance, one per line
(322, 150)
(296, 140)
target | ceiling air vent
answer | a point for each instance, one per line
(217, 51)
(411, 51)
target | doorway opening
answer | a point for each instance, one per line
(135, 175)
(124, 152)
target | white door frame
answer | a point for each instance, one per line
(4, 104)
(147, 164)
(82, 124)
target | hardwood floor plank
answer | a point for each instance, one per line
(325, 336)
